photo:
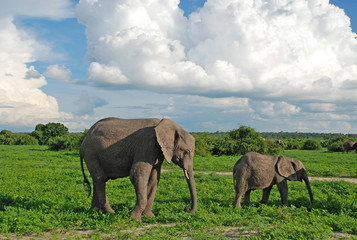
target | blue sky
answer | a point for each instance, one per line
(287, 66)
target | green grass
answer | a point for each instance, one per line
(41, 193)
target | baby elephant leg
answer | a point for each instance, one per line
(247, 198)
(237, 199)
(266, 193)
(283, 189)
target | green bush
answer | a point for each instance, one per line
(243, 140)
(25, 139)
(204, 144)
(311, 144)
(45, 132)
(67, 142)
(335, 144)
(293, 143)
(335, 147)
(9, 138)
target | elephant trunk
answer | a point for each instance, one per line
(192, 186)
(307, 182)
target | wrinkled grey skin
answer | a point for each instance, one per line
(349, 146)
(115, 148)
(256, 171)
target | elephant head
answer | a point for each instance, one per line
(178, 146)
(293, 170)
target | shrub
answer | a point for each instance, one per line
(335, 144)
(204, 144)
(25, 139)
(311, 144)
(44, 132)
(243, 140)
(335, 147)
(9, 138)
(293, 144)
(67, 142)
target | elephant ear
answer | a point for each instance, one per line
(287, 168)
(166, 136)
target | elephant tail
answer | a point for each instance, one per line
(85, 181)
(234, 177)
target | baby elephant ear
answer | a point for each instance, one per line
(165, 135)
(287, 168)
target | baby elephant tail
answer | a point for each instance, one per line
(85, 181)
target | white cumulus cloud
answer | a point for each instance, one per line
(22, 102)
(61, 73)
(291, 49)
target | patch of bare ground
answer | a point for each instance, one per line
(338, 236)
(54, 234)
(83, 234)
(141, 230)
(235, 232)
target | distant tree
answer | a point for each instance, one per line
(335, 144)
(242, 140)
(204, 144)
(7, 137)
(311, 144)
(45, 132)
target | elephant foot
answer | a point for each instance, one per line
(108, 209)
(237, 206)
(111, 211)
(105, 210)
(149, 214)
(135, 216)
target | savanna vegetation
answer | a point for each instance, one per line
(42, 195)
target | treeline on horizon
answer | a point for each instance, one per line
(234, 142)
(288, 135)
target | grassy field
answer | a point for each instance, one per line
(41, 195)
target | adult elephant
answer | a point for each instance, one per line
(349, 146)
(115, 148)
(256, 171)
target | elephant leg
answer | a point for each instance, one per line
(283, 189)
(152, 187)
(266, 193)
(247, 198)
(240, 190)
(100, 199)
(139, 177)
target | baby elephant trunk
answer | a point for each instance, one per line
(307, 182)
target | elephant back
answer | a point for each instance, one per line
(108, 131)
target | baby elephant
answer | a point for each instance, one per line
(257, 171)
